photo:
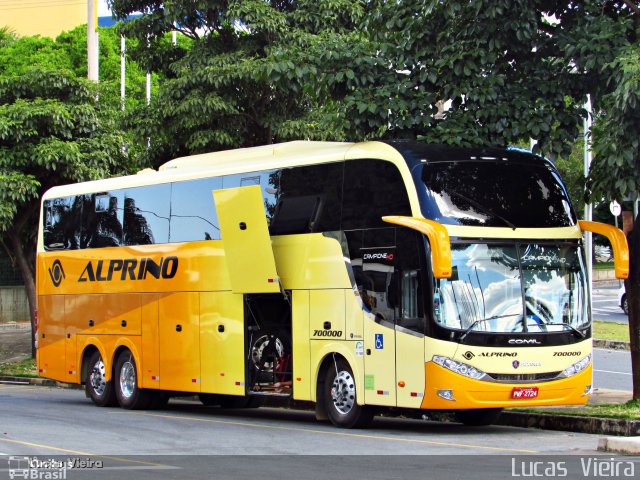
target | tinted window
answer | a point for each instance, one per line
(146, 215)
(62, 223)
(386, 270)
(372, 189)
(308, 199)
(268, 180)
(193, 212)
(495, 194)
(102, 219)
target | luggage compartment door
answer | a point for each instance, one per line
(247, 244)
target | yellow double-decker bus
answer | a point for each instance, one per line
(359, 276)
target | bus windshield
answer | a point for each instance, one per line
(516, 288)
(492, 193)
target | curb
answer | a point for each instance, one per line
(611, 344)
(627, 446)
(41, 382)
(547, 421)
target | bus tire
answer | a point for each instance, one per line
(98, 389)
(340, 399)
(129, 395)
(479, 417)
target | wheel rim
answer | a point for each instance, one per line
(258, 350)
(97, 379)
(343, 392)
(127, 379)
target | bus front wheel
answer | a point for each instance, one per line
(479, 417)
(340, 400)
(129, 395)
(96, 385)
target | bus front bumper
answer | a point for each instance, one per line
(447, 390)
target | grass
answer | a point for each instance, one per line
(611, 331)
(603, 265)
(628, 411)
(24, 368)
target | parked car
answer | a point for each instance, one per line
(622, 300)
(602, 253)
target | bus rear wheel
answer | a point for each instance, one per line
(129, 395)
(479, 417)
(340, 400)
(96, 385)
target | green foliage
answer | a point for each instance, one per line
(571, 169)
(617, 131)
(255, 72)
(74, 46)
(17, 55)
(51, 132)
(259, 72)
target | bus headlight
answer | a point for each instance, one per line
(577, 367)
(459, 367)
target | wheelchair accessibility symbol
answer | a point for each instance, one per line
(379, 341)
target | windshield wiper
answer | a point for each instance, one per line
(483, 208)
(482, 320)
(564, 324)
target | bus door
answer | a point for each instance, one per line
(247, 244)
(406, 297)
(252, 270)
(372, 252)
(387, 273)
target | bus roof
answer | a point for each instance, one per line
(235, 161)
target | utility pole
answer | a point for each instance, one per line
(123, 76)
(588, 207)
(92, 41)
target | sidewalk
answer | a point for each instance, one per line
(623, 436)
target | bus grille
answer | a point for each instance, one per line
(523, 377)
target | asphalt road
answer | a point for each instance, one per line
(187, 440)
(612, 369)
(605, 305)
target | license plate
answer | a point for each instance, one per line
(524, 392)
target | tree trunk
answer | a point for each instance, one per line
(632, 286)
(26, 270)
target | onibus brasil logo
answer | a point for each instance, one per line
(34, 468)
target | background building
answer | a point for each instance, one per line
(42, 17)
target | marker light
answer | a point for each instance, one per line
(459, 367)
(577, 367)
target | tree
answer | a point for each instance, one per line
(52, 131)
(256, 72)
(515, 68)
(616, 169)
(471, 73)
(74, 46)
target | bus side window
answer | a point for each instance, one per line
(308, 200)
(146, 215)
(410, 311)
(62, 223)
(102, 220)
(378, 254)
(193, 212)
(372, 189)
